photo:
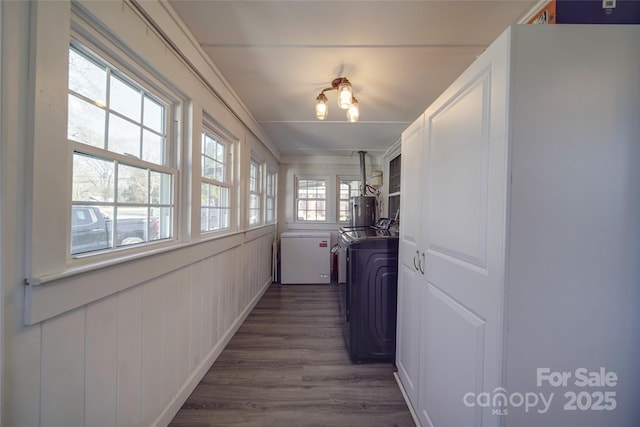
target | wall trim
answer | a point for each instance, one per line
(51, 296)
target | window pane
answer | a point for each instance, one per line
(152, 147)
(219, 172)
(87, 78)
(225, 221)
(209, 147)
(254, 178)
(214, 191)
(125, 99)
(161, 188)
(153, 115)
(124, 136)
(214, 213)
(208, 168)
(93, 179)
(220, 152)
(204, 194)
(394, 174)
(204, 222)
(90, 229)
(344, 191)
(254, 202)
(133, 185)
(214, 219)
(85, 122)
(224, 197)
(161, 223)
(131, 225)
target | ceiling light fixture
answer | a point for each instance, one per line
(346, 100)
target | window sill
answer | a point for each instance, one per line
(51, 295)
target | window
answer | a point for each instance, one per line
(271, 198)
(216, 185)
(122, 180)
(311, 196)
(348, 188)
(394, 186)
(255, 193)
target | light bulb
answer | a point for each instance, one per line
(345, 93)
(321, 107)
(353, 113)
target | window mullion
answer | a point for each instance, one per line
(107, 102)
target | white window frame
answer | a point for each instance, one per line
(297, 199)
(49, 191)
(228, 177)
(339, 180)
(390, 194)
(159, 93)
(256, 192)
(271, 191)
(158, 212)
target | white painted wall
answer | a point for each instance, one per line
(124, 349)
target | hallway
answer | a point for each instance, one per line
(287, 366)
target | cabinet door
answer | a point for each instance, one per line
(463, 240)
(408, 326)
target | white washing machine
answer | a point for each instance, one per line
(305, 257)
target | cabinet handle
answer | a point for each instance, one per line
(421, 264)
(414, 260)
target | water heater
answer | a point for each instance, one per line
(363, 210)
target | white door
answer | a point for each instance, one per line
(464, 208)
(409, 277)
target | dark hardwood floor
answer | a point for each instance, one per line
(287, 366)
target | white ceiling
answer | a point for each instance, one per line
(398, 55)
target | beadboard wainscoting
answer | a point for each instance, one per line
(132, 358)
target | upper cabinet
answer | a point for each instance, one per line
(519, 236)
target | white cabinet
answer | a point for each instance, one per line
(409, 261)
(519, 235)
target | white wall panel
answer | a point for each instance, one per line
(240, 264)
(170, 330)
(101, 362)
(195, 326)
(226, 298)
(218, 266)
(152, 395)
(63, 372)
(207, 309)
(129, 375)
(184, 323)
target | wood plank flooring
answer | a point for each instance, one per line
(287, 366)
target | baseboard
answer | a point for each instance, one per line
(406, 399)
(196, 376)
